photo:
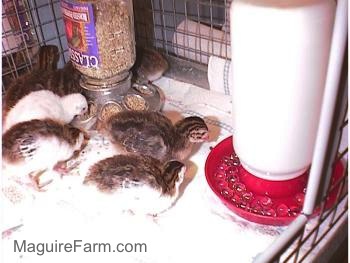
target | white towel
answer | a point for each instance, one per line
(220, 75)
(177, 236)
(199, 228)
(197, 41)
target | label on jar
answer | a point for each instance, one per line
(81, 34)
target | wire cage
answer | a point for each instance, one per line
(27, 25)
(187, 32)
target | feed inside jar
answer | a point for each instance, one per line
(135, 102)
(100, 36)
(109, 109)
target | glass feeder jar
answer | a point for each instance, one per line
(101, 40)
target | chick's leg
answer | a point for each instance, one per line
(35, 181)
(65, 167)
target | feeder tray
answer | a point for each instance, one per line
(261, 201)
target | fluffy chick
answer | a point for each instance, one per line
(140, 184)
(151, 133)
(150, 65)
(45, 75)
(30, 148)
(44, 104)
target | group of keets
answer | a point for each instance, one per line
(37, 136)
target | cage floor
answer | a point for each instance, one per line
(198, 228)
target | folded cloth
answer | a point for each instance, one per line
(197, 41)
(190, 98)
(220, 75)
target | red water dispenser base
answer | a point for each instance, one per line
(255, 199)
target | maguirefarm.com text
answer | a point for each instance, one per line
(77, 245)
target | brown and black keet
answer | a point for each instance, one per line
(30, 148)
(153, 134)
(150, 65)
(140, 182)
(45, 76)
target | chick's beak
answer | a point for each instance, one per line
(206, 136)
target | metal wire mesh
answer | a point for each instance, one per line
(318, 229)
(27, 25)
(192, 30)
